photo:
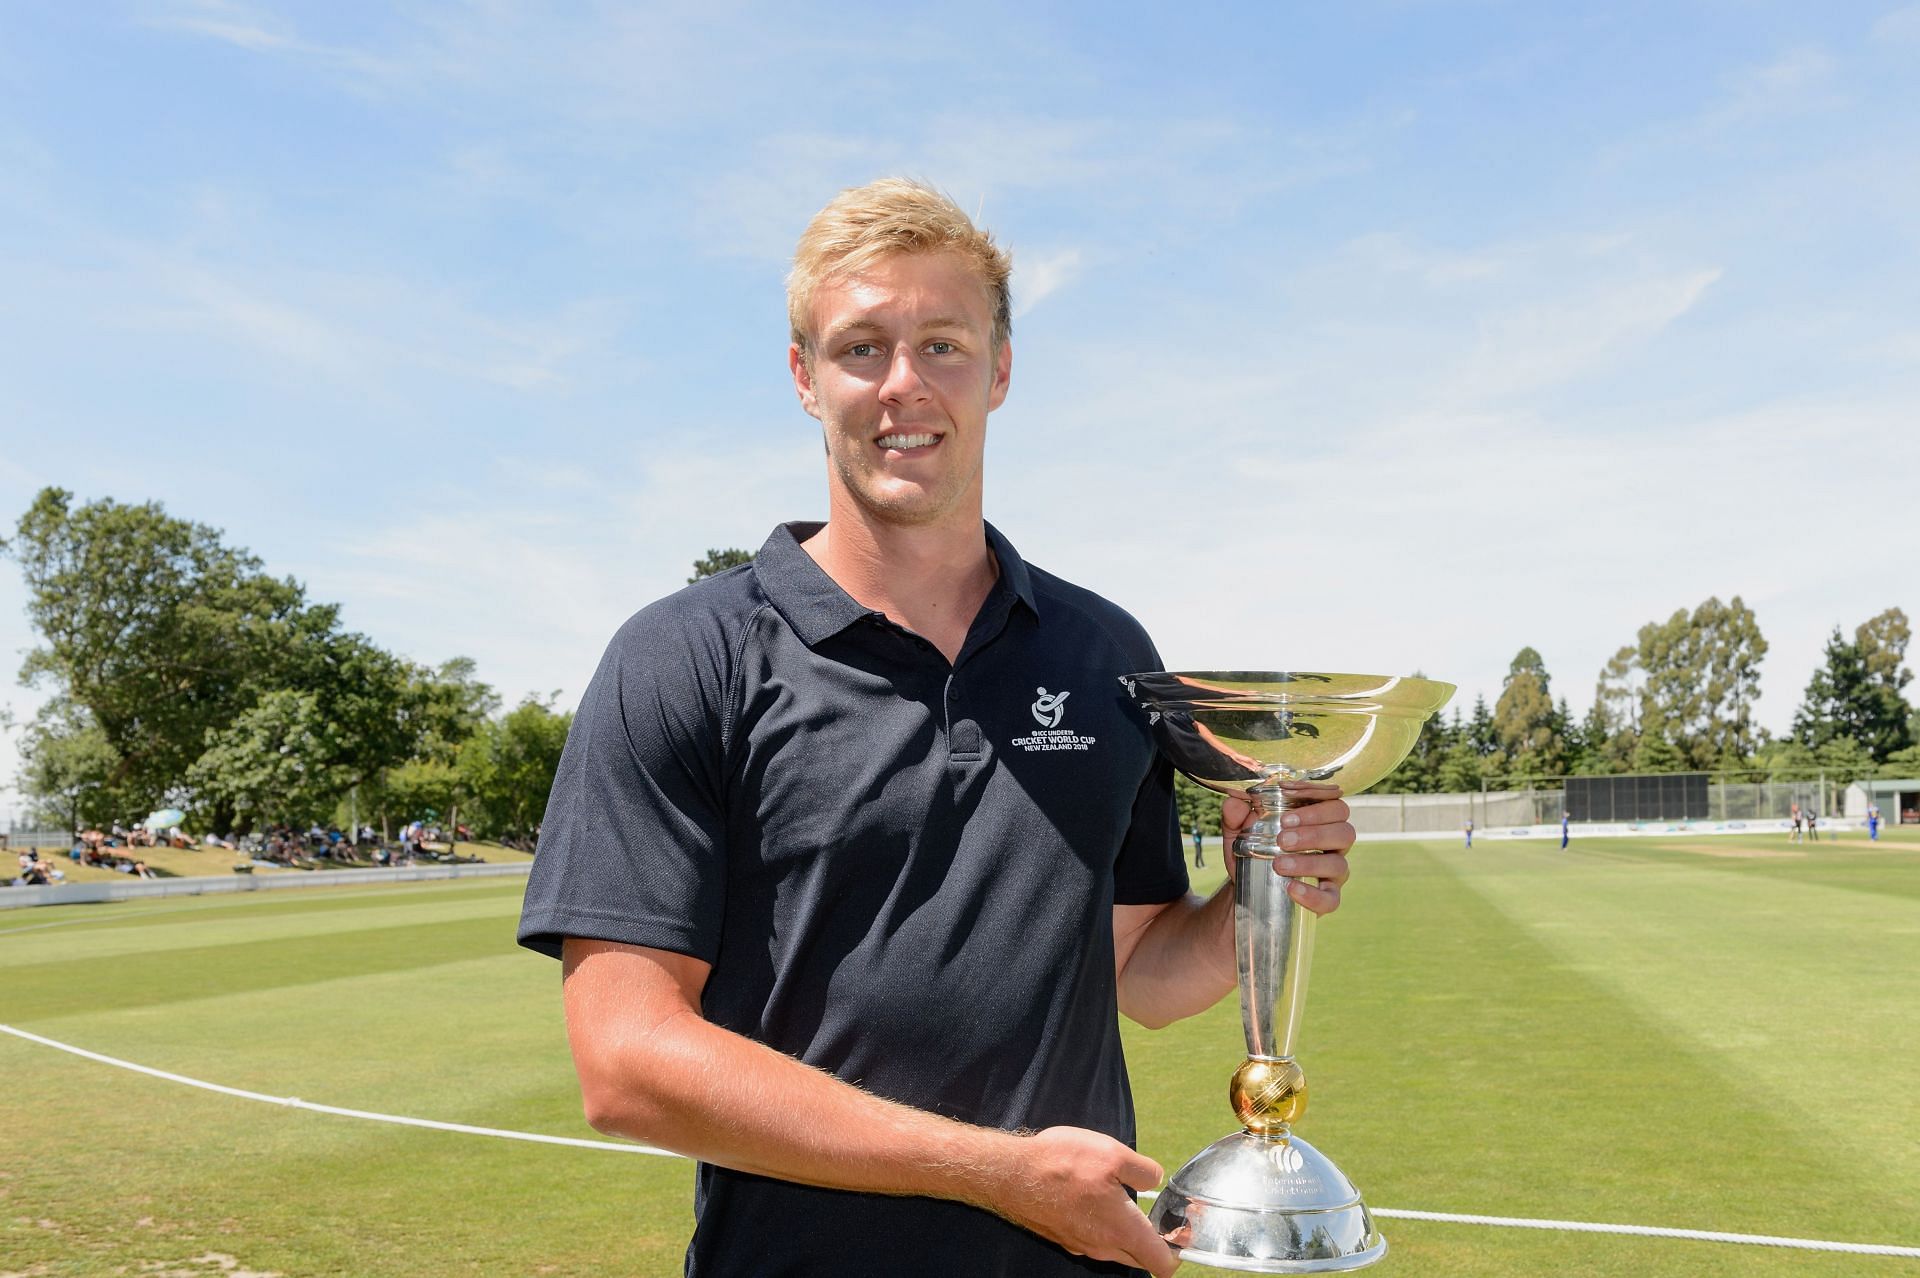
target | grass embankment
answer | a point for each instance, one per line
(1640, 1031)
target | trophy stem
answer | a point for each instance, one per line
(1273, 938)
(1263, 1200)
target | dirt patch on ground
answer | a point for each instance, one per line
(212, 1263)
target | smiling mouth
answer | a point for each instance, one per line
(903, 442)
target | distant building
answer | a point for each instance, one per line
(1899, 800)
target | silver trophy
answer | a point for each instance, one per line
(1262, 1199)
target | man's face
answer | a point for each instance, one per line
(902, 378)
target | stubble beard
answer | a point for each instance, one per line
(901, 505)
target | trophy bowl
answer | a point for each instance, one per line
(1262, 1200)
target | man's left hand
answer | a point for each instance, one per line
(1314, 839)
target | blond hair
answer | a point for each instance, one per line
(865, 224)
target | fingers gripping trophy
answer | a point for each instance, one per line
(1263, 1200)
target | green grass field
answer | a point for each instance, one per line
(1705, 1034)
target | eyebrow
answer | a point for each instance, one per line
(873, 326)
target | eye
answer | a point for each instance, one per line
(862, 349)
(941, 348)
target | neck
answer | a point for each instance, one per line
(929, 578)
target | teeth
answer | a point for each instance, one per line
(906, 441)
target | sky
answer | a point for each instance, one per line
(1369, 337)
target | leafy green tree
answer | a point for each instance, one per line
(1787, 760)
(508, 766)
(1573, 743)
(1523, 719)
(424, 786)
(188, 658)
(1845, 699)
(155, 627)
(1655, 753)
(65, 763)
(269, 764)
(1197, 804)
(1480, 731)
(1902, 765)
(1700, 674)
(1882, 641)
(718, 561)
(1844, 760)
(1461, 767)
(1603, 749)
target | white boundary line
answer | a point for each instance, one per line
(294, 1102)
(1510, 1222)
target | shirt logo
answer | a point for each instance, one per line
(1050, 707)
(1048, 710)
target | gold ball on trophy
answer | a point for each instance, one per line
(1268, 1095)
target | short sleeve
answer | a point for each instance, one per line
(1152, 866)
(632, 848)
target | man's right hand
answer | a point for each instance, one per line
(1069, 1184)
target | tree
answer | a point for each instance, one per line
(213, 685)
(1882, 641)
(1480, 734)
(65, 762)
(1702, 672)
(1198, 805)
(1844, 698)
(1655, 753)
(1613, 725)
(153, 626)
(1787, 760)
(1523, 719)
(1690, 680)
(269, 764)
(508, 767)
(718, 561)
(1420, 772)
(1844, 760)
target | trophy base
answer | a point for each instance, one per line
(1266, 1205)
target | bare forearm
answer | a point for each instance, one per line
(652, 1068)
(700, 1090)
(1182, 962)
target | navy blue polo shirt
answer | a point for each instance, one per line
(901, 870)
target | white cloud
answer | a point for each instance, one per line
(1544, 344)
(246, 27)
(355, 328)
(1039, 275)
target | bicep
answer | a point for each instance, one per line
(1130, 923)
(617, 995)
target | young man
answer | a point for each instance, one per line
(832, 922)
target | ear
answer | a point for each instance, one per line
(1002, 375)
(802, 380)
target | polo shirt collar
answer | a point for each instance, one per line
(815, 605)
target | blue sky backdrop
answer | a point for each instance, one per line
(1373, 336)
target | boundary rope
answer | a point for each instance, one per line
(1452, 1218)
(294, 1102)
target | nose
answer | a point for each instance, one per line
(903, 383)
